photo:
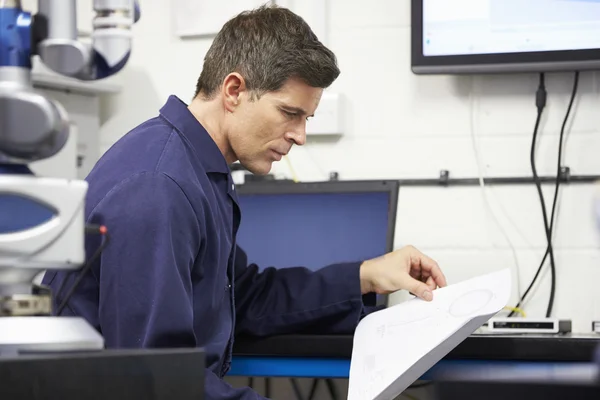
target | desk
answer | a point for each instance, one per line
(328, 356)
(159, 374)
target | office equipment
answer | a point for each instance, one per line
(514, 325)
(551, 381)
(569, 348)
(396, 346)
(42, 222)
(160, 374)
(502, 390)
(500, 36)
(286, 224)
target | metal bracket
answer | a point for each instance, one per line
(565, 174)
(444, 177)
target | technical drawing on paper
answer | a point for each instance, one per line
(394, 346)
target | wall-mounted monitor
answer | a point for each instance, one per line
(504, 36)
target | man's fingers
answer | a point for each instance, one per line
(431, 283)
(429, 265)
(420, 289)
(438, 276)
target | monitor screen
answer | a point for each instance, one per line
(314, 229)
(507, 26)
(524, 34)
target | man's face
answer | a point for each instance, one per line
(264, 130)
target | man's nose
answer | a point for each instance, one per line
(298, 136)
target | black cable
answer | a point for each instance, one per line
(85, 269)
(89, 229)
(62, 285)
(541, 103)
(553, 212)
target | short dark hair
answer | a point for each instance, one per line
(267, 46)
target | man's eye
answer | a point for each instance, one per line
(290, 114)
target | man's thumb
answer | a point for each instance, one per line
(421, 290)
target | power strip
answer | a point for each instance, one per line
(528, 325)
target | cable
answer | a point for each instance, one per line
(554, 202)
(541, 104)
(314, 162)
(92, 229)
(484, 193)
(292, 171)
(516, 310)
(105, 239)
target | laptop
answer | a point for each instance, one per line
(315, 224)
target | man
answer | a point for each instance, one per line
(172, 274)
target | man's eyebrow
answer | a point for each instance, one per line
(293, 109)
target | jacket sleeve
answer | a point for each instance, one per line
(145, 280)
(297, 300)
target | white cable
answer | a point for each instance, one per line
(317, 165)
(486, 200)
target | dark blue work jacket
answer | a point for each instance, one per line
(172, 274)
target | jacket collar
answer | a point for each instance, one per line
(176, 113)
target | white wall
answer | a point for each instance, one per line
(404, 126)
(400, 125)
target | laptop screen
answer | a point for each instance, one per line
(314, 229)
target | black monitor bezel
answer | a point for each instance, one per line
(541, 61)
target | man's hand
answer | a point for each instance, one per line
(407, 269)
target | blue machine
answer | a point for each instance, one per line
(42, 219)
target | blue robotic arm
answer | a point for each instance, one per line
(33, 127)
(111, 37)
(42, 222)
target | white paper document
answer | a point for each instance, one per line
(395, 346)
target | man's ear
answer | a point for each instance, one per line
(233, 86)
